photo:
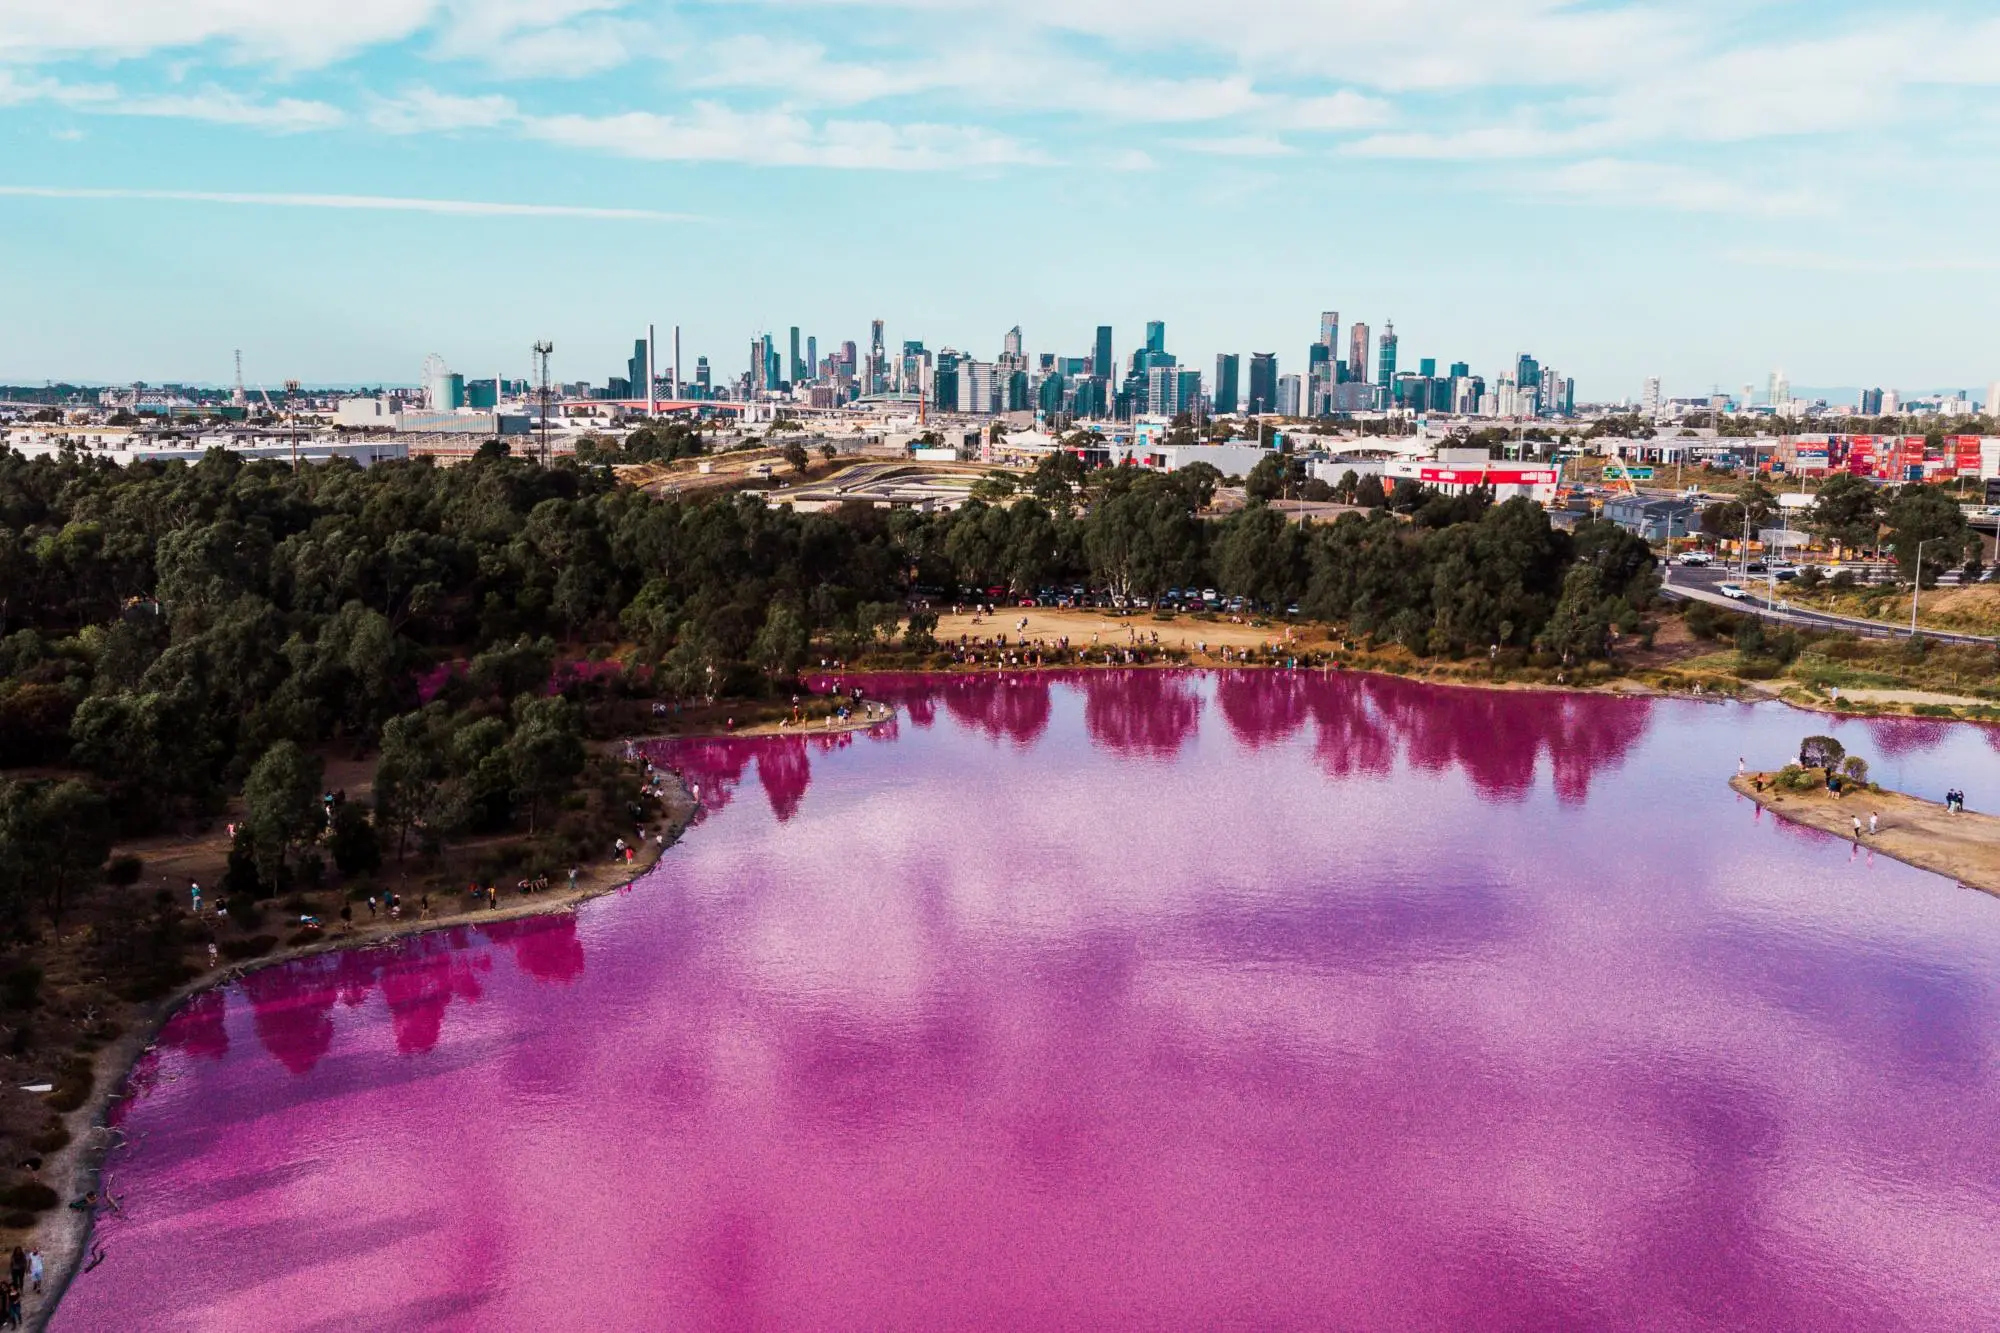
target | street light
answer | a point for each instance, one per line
(1917, 582)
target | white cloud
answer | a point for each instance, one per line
(363, 202)
(218, 106)
(1661, 185)
(1238, 145)
(1822, 262)
(710, 132)
(425, 110)
(299, 33)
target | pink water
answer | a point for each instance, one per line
(1132, 1001)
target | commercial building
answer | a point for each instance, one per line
(1459, 471)
(1652, 520)
(1227, 365)
(1290, 395)
(1263, 383)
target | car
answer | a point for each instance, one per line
(1786, 573)
(1696, 559)
(1028, 601)
(1210, 596)
(1141, 604)
(1733, 591)
(1292, 610)
(1754, 567)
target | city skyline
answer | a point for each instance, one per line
(340, 190)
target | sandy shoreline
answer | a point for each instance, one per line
(64, 1234)
(1963, 847)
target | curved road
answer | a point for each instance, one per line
(1699, 585)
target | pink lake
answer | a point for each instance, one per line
(1137, 1001)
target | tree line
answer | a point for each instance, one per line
(165, 628)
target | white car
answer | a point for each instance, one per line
(1697, 559)
(1733, 591)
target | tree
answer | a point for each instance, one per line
(352, 841)
(546, 752)
(1581, 623)
(282, 806)
(1847, 510)
(920, 631)
(1368, 492)
(1925, 518)
(1276, 476)
(54, 838)
(1821, 752)
(780, 646)
(409, 778)
(795, 454)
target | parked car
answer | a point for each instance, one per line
(1733, 591)
(1210, 596)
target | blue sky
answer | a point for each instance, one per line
(1703, 191)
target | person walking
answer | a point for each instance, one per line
(1874, 819)
(1739, 765)
(194, 895)
(1857, 828)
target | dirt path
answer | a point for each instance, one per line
(1922, 833)
(1117, 631)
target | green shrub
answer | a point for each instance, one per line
(124, 870)
(53, 1139)
(21, 984)
(254, 947)
(30, 1196)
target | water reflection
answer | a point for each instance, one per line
(419, 978)
(1176, 1032)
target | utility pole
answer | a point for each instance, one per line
(291, 402)
(1917, 582)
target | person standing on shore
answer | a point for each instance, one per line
(19, 1268)
(1873, 821)
(35, 1269)
(1857, 828)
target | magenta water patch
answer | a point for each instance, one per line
(1145, 1000)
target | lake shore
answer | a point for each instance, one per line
(1964, 847)
(64, 1234)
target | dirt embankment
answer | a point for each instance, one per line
(1922, 833)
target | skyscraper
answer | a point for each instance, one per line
(635, 369)
(877, 360)
(1263, 383)
(1010, 346)
(1100, 356)
(1227, 365)
(1357, 353)
(1387, 364)
(1156, 336)
(812, 358)
(1649, 396)
(1329, 330)
(798, 374)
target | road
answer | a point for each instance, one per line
(1700, 585)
